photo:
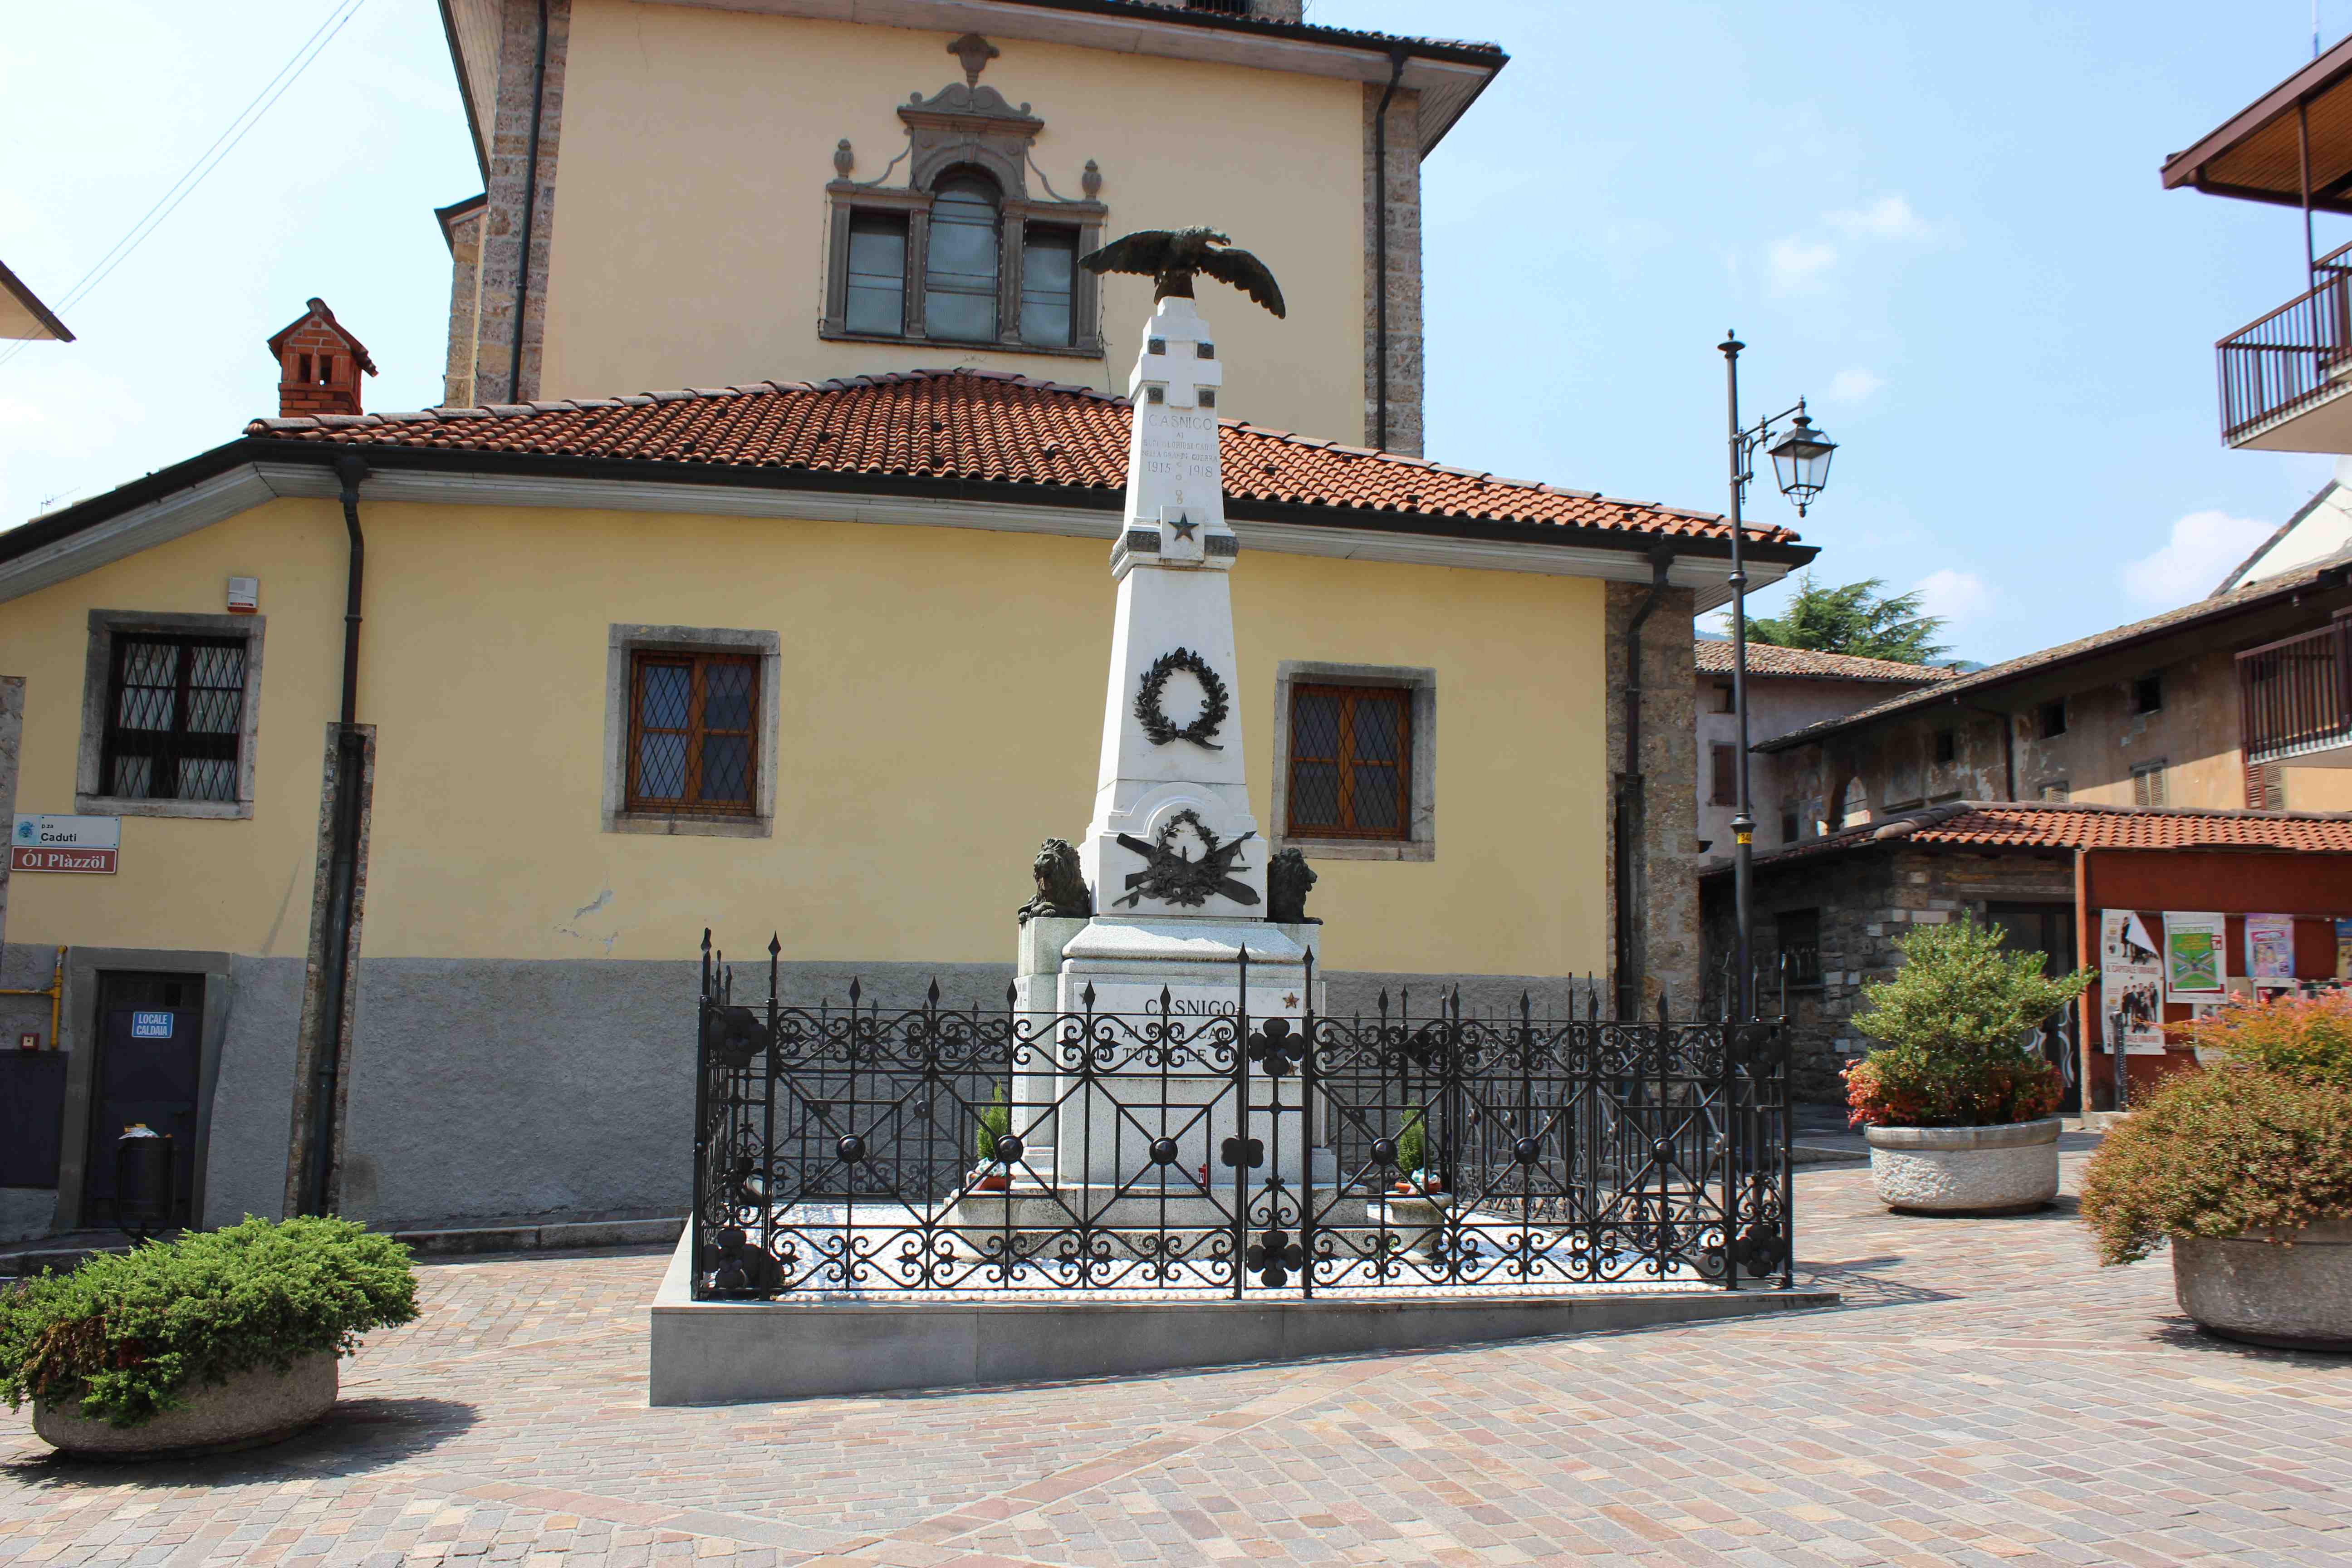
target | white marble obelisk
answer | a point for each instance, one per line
(1173, 853)
(1182, 793)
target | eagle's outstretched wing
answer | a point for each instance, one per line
(1144, 251)
(1246, 273)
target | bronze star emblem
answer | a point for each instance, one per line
(1291, 1000)
(1185, 527)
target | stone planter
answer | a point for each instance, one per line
(251, 1408)
(2297, 1297)
(1965, 1170)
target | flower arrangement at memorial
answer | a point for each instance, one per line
(129, 1335)
(1948, 1027)
(2259, 1143)
(1413, 1155)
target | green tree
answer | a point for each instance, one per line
(1854, 619)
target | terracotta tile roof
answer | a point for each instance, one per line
(981, 426)
(2057, 825)
(1713, 657)
(2219, 606)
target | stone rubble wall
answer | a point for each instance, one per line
(1403, 281)
(1868, 900)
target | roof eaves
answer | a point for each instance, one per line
(2186, 168)
(2041, 661)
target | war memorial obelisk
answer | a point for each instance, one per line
(1175, 858)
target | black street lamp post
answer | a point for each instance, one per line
(1801, 463)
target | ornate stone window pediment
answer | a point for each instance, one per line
(968, 165)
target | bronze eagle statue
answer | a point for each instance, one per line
(1169, 257)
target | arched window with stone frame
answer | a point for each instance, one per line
(963, 261)
(968, 228)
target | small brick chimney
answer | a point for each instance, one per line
(319, 364)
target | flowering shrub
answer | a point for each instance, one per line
(2261, 1144)
(1949, 1024)
(2308, 1039)
(1908, 1086)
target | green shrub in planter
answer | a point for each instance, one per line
(995, 1123)
(1413, 1146)
(129, 1335)
(1947, 1024)
(2261, 1144)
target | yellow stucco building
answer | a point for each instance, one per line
(430, 743)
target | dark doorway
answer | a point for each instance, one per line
(2048, 929)
(150, 1053)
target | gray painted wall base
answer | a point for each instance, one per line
(740, 1352)
(27, 1212)
(509, 1092)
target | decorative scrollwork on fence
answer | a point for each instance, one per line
(840, 1149)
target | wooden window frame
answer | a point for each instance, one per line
(695, 733)
(1350, 697)
(1015, 210)
(1723, 768)
(116, 744)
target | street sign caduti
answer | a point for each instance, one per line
(83, 845)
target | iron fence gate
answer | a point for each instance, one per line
(860, 1149)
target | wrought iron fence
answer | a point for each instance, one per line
(863, 1149)
(2290, 357)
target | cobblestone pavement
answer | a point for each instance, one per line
(1987, 1395)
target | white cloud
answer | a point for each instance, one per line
(1855, 385)
(1953, 595)
(1889, 218)
(1799, 264)
(2192, 564)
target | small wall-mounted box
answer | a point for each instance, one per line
(30, 1040)
(243, 596)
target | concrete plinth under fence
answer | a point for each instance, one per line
(735, 1352)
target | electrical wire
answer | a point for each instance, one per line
(207, 162)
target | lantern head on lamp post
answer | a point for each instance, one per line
(1801, 462)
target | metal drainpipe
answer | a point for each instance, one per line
(529, 209)
(342, 865)
(1629, 787)
(1381, 249)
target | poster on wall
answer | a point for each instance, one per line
(2131, 983)
(2270, 949)
(2196, 947)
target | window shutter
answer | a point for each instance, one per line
(1726, 775)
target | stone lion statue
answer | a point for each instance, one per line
(1287, 879)
(1061, 889)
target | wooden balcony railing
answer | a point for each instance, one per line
(2295, 355)
(2295, 695)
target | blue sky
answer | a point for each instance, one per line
(1942, 223)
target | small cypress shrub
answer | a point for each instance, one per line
(128, 1335)
(995, 1122)
(1412, 1143)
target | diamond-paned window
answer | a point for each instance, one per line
(693, 734)
(1350, 763)
(174, 718)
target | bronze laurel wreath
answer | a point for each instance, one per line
(1215, 706)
